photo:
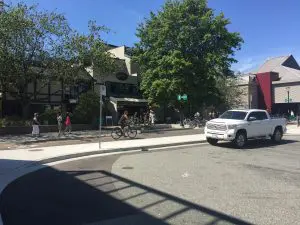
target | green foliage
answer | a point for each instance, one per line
(41, 46)
(87, 110)
(229, 93)
(183, 49)
(14, 121)
(29, 41)
(49, 116)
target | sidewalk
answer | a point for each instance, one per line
(27, 138)
(78, 135)
(24, 157)
(293, 130)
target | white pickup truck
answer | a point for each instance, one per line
(240, 125)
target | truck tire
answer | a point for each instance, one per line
(277, 135)
(212, 141)
(240, 139)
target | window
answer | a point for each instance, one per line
(258, 115)
(122, 90)
(262, 116)
(234, 115)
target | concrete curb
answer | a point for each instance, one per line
(58, 139)
(97, 152)
(167, 129)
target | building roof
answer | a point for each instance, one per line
(286, 66)
(272, 63)
(287, 73)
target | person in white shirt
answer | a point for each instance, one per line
(35, 125)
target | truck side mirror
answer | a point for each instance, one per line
(252, 118)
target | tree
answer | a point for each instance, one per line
(41, 46)
(229, 93)
(183, 49)
(87, 109)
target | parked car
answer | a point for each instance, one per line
(240, 125)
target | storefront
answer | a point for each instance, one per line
(116, 107)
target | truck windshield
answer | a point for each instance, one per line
(234, 115)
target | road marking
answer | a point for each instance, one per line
(185, 175)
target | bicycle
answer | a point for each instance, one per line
(117, 132)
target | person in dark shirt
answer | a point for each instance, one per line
(123, 120)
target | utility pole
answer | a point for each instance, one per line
(288, 93)
(100, 119)
(102, 92)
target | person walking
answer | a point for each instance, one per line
(298, 119)
(59, 123)
(197, 118)
(68, 123)
(35, 125)
(152, 117)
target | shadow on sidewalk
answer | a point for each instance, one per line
(67, 197)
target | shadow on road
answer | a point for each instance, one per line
(256, 144)
(51, 196)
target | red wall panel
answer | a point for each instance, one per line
(264, 81)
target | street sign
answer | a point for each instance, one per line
(288, 100)
(182, 97)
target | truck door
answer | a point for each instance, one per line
(266, 124)
(254, 125)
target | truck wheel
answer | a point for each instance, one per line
(277, 136)
(212, 141)
(240, 139)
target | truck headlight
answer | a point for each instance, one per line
(231, 127)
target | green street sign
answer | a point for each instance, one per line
(288, 100)
(182, 97)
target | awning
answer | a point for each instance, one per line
(129, 100)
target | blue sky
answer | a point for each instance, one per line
(269, 27)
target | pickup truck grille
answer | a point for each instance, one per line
(216, 126)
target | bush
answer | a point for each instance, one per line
(14, 121)
(49, 116)
(87, 110)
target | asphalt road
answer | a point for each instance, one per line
(191, 185)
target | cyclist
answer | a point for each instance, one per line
(123, 120)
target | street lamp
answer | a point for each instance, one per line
(288, 93)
